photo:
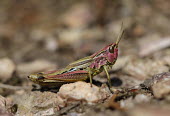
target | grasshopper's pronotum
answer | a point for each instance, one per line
(83, 68)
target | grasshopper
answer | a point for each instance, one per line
(81, 69)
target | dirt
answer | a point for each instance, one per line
(38, 36)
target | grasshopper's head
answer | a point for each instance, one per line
(112, 49)
(112, 53)
(107, 55)
(36, 77)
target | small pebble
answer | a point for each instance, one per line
(161, 89)
(83, 91)
(7, 67)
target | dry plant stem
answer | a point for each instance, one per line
(113, 104)
(5, 86)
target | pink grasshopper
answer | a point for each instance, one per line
(81, 69)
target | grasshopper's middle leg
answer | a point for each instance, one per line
(90, 76)
(108, 76)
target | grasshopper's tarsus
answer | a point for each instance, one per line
(108, 76)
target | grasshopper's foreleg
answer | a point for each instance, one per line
(108, 76)
(90, 76)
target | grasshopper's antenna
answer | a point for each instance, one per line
(120, 35)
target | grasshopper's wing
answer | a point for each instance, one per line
(81, 63)
(72, 76)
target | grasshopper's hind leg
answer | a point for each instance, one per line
(108, 76)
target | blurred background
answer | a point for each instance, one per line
(42, 35)
(38, 35)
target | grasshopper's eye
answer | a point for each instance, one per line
(111, 49)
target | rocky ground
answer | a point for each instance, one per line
(38, 36)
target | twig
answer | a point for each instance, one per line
(5, 86)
